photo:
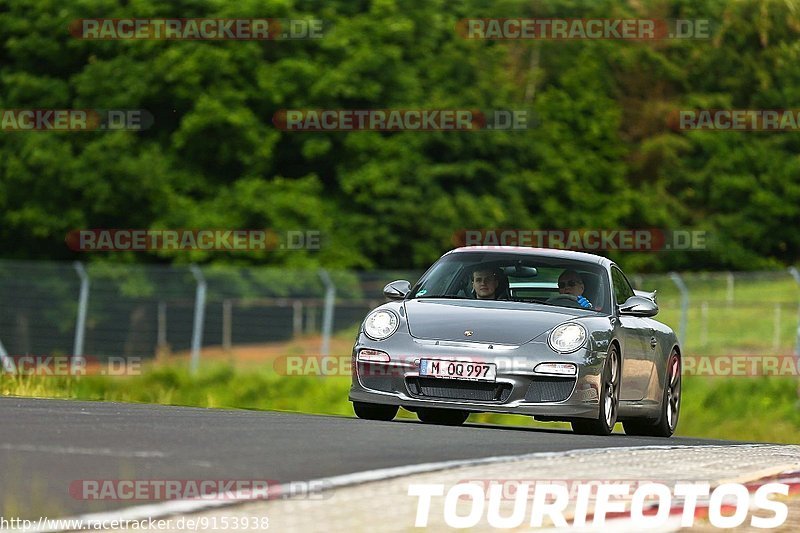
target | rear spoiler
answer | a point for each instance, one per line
(645, 294)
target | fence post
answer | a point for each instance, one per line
(704, 324)
(327, 316)
(8, 363)
(678, 281)
(729, 295)
(199, 311)
(796, 275)
(83, 304)
(162, 327)
(311, 319)
(227, 324)
(776, 330)
(297, 318)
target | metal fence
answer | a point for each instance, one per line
(724, 312)
(107, 310)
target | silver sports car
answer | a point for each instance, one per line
(555, 334)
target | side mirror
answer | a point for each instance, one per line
(397, 290)
(639, 306)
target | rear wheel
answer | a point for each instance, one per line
(609, 399)
(374, 411)
(443, 417)
(670, 406)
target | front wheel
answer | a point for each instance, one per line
(670, 406)
(443, 417)
(609, 399)
(374, 411)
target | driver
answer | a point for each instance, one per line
(571, 283)
(485, 282)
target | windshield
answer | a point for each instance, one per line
(518, 278)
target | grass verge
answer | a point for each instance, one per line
(757, 409)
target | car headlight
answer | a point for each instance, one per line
(380, 325)
(567, 338)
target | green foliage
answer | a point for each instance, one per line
(601, 156)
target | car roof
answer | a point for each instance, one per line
(539, 252)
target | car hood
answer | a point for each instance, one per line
(498, 322)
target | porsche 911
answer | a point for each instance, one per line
(554, 334)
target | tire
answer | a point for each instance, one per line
(670, 406)
(609, 399)
(374, 411)
(442, 417)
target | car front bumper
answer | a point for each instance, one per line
(517, 389)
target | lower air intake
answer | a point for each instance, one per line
(549, 389)
(455, 389)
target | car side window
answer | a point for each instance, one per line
(622, 289)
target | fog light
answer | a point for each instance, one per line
(562, 369)
(373, 356)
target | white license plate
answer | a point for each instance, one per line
(437, 368)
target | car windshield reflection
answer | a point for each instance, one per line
(523, 278)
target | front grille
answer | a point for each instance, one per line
(456, 389)
(549, 389)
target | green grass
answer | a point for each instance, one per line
(756, 408)
(215, 385)
(745, 324)
(760, 409)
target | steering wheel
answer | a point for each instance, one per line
(569, 297)
(567, 300)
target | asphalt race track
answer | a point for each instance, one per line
(45, 445)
